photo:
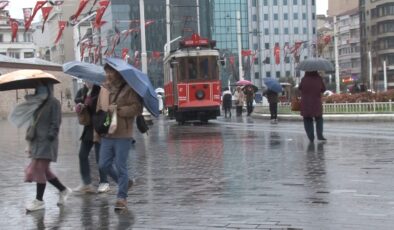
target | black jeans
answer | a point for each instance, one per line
(84, 167)
(249, 107)
(274, 110)
(239, 110)
(227, 110)
(309, 127)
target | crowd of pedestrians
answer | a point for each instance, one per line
(41, 114)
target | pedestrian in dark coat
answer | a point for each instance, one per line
(227, 102)
(312, 87)
(249, 96)
(273, 100)
(87, 97)
(44, 119)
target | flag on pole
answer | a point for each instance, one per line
(14, 29)
(45, 14)
(62, 26)
(100, 12)
(3, 4)
(277, 53)
(82, 4)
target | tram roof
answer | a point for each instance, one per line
(192, 52)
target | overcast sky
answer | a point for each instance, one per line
(15, 7)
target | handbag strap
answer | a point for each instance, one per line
(117, 94)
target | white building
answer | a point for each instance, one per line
(281, 23)
(23, 47)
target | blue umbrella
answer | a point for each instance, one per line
(273, 84)
(139, 81)
(85, 71)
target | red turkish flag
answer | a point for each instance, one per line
(14, 29)
(82, 4)
(232, 60)
(45, 15)
(246, 53)
(277, 53)
(62, 26)
(156, 54)
(39, 5)
(125, 51)
(100, 12)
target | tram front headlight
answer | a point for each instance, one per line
(200, 94)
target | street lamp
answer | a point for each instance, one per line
(167, 45)
(77, 35)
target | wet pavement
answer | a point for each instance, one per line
(229, 174)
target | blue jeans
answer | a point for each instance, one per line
(116, 149)
(84, 167)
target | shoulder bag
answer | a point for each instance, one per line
(102, 119)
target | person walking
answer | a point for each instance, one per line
(239, 100)
(42, 111)
(311, 88)
(118, 95)
(273, 100)
(227, 102)
(249, 96)
(86, 98)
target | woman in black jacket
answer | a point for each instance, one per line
(86, 98)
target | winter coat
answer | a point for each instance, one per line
(272, 96)
(227, 99)
(87, 133)
(46, 142)
(311, 87)
(239, 97)
(128, 107)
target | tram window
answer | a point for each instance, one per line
(192, 68)
(204, 68)
(182, 70)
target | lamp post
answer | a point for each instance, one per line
(144, 61)
(338, 90)
(77, 35)
(241, 77)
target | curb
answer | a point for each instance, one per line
(332, 117)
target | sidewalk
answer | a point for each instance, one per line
(331, 117)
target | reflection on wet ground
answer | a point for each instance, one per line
(239, 173)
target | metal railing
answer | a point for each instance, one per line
(338, 108)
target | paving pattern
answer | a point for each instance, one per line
(242, 173)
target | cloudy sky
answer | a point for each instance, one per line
(15, 7)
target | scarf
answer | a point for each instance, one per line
(23, 113)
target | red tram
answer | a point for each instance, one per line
(191, 81)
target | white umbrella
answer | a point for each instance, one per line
(315, 64)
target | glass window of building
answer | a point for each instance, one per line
(265, 17)
(28, 55)
(267, 60)
(254, 3)
(287, 59)
(256, 61)
(286, 31)
(276, 17)
(256, 75)
(255, 46)
(296, 30)
(295, 2)
(277, 74)
(304, 16)
(304, 30)
(275, 2)
(254, 17)
(1, 38)
(295, 16)
(266, 31)
(267, 46)
(265, 2)
(287, 73)
(267, 74)
(285, 2)
(313, 16)
(276, 31)
(303, 2)
(286, 16)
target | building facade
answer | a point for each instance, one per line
(282, 33)
(337, 7)
(349, 58)
(23, 47)
(224, 31)
(377, 42)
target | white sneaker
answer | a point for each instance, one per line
(103, 187)
(63, 195)
(35, 205)
(84, 188)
